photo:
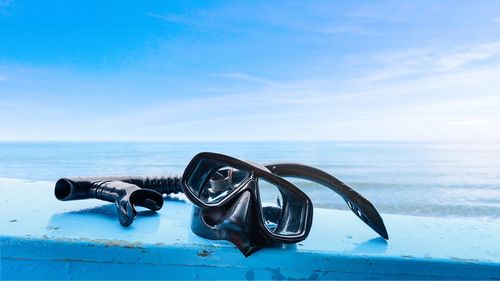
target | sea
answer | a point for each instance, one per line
(436, 179)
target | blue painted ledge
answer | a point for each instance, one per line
(42, 238)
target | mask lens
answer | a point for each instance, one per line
(221, 183)
(283, 213)
(271, 201)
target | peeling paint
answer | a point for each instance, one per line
(52, 228)
(106, 242)
(250, 275)
(464, 260)
(277, 275)
(205, 253)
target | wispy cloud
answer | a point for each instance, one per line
(428, 61)
(460, 102)
(221, 71)
(401, 110)
(4, 5)
(184, 20)
(246, 78)
(469, 55)
(314, 23)
(199, 21)
(340, 29)
(375, 12)
(466, 123)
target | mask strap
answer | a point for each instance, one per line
(363, 208)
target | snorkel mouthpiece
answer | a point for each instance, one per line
(124, 195)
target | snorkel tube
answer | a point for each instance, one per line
(125, 192)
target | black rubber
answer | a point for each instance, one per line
(125, 192)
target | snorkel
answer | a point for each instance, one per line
(125, 192)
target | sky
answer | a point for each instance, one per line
(245, 71)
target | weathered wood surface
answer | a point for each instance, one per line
(42, 238)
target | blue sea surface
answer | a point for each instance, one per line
(411, 178)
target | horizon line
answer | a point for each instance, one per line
(242, 141)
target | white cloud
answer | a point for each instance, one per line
(4, 6)
(5, 3)
(427, 108)
(339, 29)
(199, 21)
(256, 13)
(426, 61)
(468, 55)
(413, 102)
(377, 12)
(466, 123)
(245, 77)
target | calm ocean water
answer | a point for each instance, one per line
(428, 179)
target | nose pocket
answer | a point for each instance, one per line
(242, 210)
(241, 225)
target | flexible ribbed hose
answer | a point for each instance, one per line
(164, 185)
